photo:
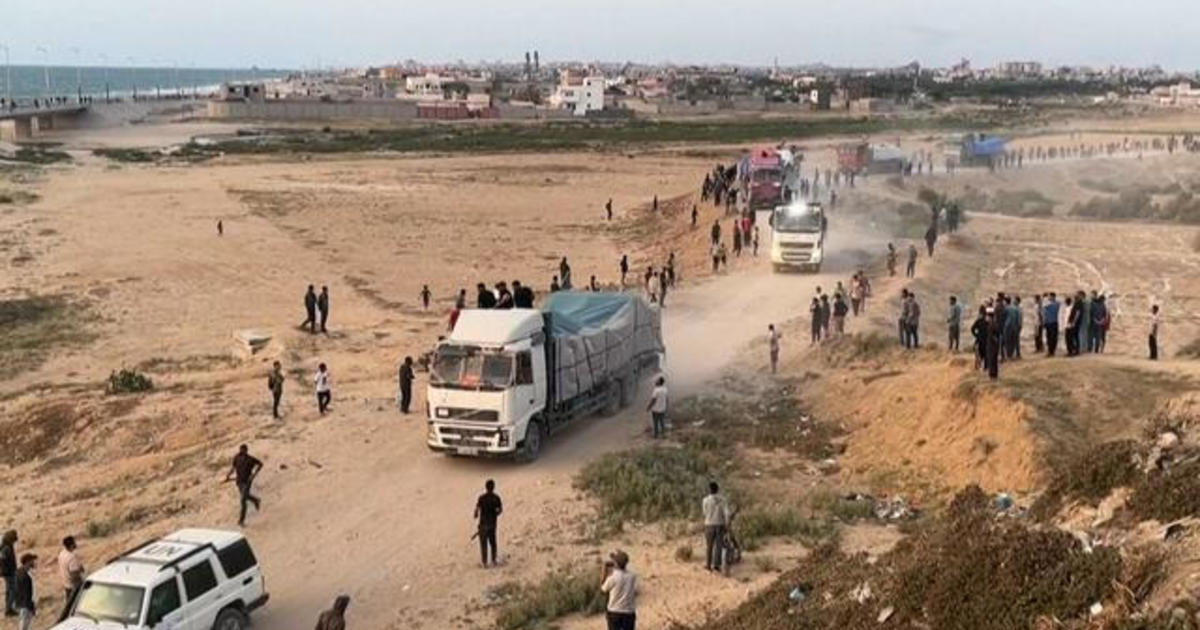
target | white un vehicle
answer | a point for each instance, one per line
(194, 579)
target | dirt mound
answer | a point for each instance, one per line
(968, 570)
(1092, 476)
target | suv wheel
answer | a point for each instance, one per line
(231, 619)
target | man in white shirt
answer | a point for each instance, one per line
(716, 519)
(620, 585)
(70, 571)
(658, 407)
(324, 391)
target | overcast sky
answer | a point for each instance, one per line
(305, 33)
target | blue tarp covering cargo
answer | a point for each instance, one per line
(984, 146)
(596, 336)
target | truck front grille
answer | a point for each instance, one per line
(470, 415)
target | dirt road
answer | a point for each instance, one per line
(390, 524)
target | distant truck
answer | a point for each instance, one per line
(504, 380)
(763, 173)
(861, 157)
(981, 150)
(798, 236)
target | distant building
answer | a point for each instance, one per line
(1179, 95)
(250, 92)
(1018, 69)
(429, 83)
(580, 95)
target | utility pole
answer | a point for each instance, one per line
(104, 62)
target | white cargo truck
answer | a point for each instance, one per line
(504, 380)
(798, 236)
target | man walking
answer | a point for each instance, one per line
(658, 407)
(275, 386)
(716, 232)
(1050, 321)
(608, 208)
(716, 519)
(839, 314)
(406, 382)
(1039, 319)
(70, 573)
(488, 508)
(1155, 323)
(310, 309)
(911, 270)
(620, 584)
(8, 568)
(891, 259)
(324, 391)
(624, 268)
(773, 344)
(26, 600)
(335, 618)
(425, 295)
(244, 469)
(323, 307)
(954, 324)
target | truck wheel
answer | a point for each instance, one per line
(231, 619)
(532, 446)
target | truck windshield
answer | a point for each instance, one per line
(110, 602)
(761, 175)
(470, 367)
(797, 221)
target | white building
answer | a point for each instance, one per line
(579, 95)
(428, 84)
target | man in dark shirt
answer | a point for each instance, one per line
(310, 310)
(323, 306)
(522, 295)
(485, 299)
(487, 510)
(8, 569)
(406, 381)
(26, 601)
(245, 468)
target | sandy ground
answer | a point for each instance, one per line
(353, 502)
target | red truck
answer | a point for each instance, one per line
(763, 176)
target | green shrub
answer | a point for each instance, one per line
(126, 381)
(756, 525)
(648, 484)
(563, 592)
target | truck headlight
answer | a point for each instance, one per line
(431, 434)
(443, 412)
(502, 440)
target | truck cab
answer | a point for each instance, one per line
(798, 236)
(483, 382)
(765, 178)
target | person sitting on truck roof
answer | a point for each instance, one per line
(554, 286)
(522, 295)
(485, 299)
(504, 298)
(564, 271)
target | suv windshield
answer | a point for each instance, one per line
(111, 602)
(797, 221)
(471, 367)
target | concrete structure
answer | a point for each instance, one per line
(1018, 69)
(24, 123)
(1179, 95)
(315, 109)
(579, 95)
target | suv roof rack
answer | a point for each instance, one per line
(127, 556)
